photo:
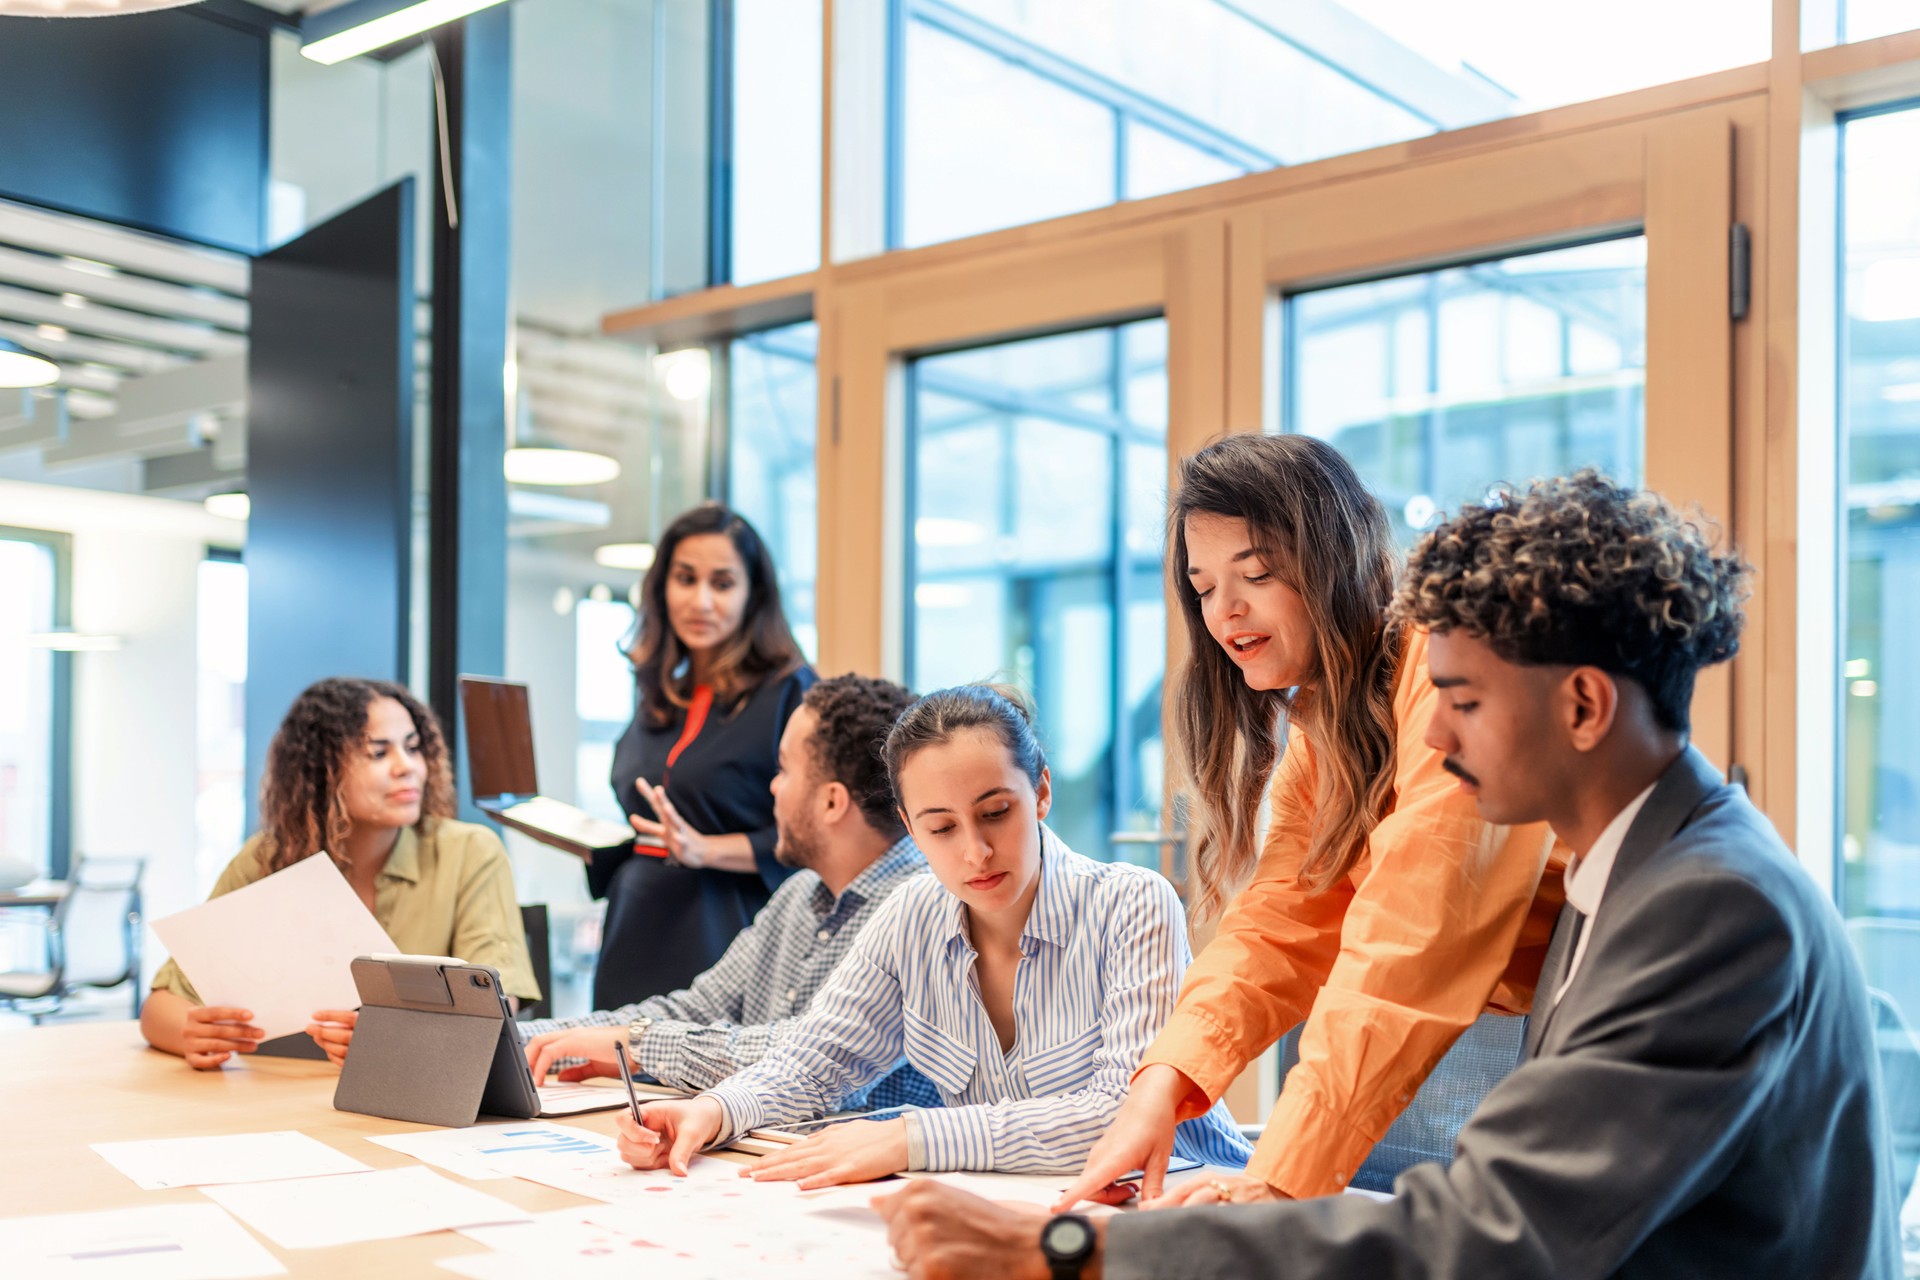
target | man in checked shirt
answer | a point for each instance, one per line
(839, 824)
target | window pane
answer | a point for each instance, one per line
(980, 156)
(26, 703)
(220, 800)
(772, 404)
(1439, 385)
(776, 138)
(1879, 884)
(1207, 89)
(1062, 598)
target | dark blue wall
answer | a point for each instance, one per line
(155, 120)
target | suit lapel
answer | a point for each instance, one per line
(1688, 781)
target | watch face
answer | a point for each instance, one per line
(1066, 1237)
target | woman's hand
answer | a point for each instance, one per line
(673, 1133)
(1140, 1137)
(1236, 1188)
(596, 1044)
(336, 1037)
(685, 846)
(857, 1151)
(213, 1034)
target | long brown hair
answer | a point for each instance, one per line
(1319, 531)
(762, 649)
(302, 808)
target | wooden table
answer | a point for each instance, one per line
(64, 1087)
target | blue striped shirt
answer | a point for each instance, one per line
(704, 1033)
(1102, 955)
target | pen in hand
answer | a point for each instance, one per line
(633, 1099)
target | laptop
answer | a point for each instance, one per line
(505, 786)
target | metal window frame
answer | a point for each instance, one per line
(60, 744)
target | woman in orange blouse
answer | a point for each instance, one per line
(1381, 910)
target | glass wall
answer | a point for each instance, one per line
(220, 799)
(1009, 112)
(772, 170)
(1441, 384)
(772, 405)
(1037, 494)
(27, 798)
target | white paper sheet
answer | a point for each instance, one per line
(573, 1099)
(470, 1152)
(159, 1242)
(312, 1213)
(281, 947)
(605, 1176)
(159, 1163)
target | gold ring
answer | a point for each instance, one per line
(1222, 1188)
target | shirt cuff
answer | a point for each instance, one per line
(740, 1108)
(952, 1138)
(1307, 1150)
(1197, 1047)
(654, 1055)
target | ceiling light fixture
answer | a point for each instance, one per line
(686, 374)
(361, 26)
(636, 556)
(83, 8)
(229, 506)
(20, 367)
(559, 467)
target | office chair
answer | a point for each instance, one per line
(1485, 1054)
(533, 918)
(93, 939)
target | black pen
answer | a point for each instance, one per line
(626, 1078)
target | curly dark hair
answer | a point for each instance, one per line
(1580, 571)
(302, 810)
(855, 714)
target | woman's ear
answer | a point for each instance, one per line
(1043, 794)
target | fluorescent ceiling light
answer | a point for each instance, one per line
(637, 556)
(686, 374)
(362, 26)
(560, 467)
(229, 506)
(19, 367)
(73, 642)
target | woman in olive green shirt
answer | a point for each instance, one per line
(359, 768)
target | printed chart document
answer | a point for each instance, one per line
(161, 1242)
(282, 947)
(159, 1163)
(313, 1213)
(603, 1175)
(474, 1152)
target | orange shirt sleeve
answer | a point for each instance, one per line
(1444, 916)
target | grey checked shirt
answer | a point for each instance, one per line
(726, 1020)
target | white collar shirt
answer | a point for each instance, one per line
(1587, 879)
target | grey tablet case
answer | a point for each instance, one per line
(435, 1044)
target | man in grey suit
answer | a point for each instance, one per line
(1698, 1095)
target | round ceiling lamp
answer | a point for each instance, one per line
(20, 367)
(559, 467)
(83, 8)
(635, 556)
(229, 506)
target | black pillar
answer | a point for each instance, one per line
(467, 538)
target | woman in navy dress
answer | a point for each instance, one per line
(717, 672)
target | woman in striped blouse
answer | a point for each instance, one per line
(1021, 978)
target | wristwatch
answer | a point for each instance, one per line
(1068, 1242)
(636, 1032)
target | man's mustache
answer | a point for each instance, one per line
(1447, 763)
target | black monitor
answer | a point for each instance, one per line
(499, 738)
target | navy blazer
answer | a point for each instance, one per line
(1703, 1101)
(666, 924)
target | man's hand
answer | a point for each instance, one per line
(857, 1151)
(672, 1133)
(213, 1034)
(942, 1233)
(596, 1044)
(1236, 1188)
(336, 1037)
(1140, 1137)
